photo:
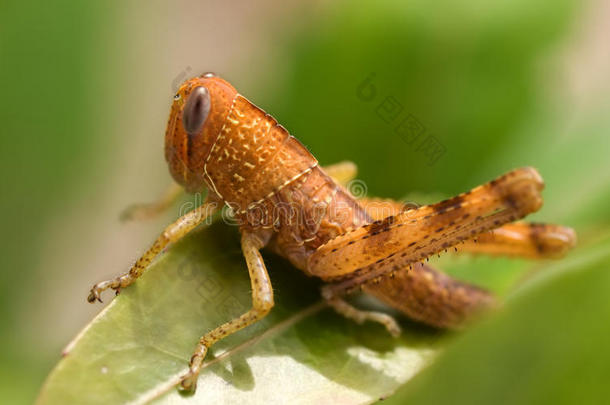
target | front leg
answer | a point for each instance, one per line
(262, 302)
(172, 233)
(143, 211)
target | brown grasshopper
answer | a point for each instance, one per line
(218, 140)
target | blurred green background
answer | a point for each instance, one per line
(87, 86)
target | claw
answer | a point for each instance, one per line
(135, 212)
(394, 329)
(188, 384)
(140, 212)
(94, 294)
(126, 215)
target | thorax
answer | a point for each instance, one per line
(274, 186)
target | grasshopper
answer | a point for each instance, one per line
(218, 140)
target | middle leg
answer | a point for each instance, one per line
(344, 308)
(342, 172)
(262, 302)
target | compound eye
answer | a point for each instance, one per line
(196, 110)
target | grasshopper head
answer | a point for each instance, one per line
(197, 115)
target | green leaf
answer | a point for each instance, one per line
(549, 345)
(136, 348)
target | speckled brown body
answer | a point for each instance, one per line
(277, 190)
(218, 140)
(307, 213)
(269, 179)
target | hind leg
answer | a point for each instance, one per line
(522, 239)
(429, 296)
(416, 234)
(433, 298)
(376, 256)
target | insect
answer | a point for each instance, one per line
(218, 140)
